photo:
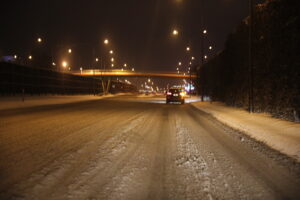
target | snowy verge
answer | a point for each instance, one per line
(279, 134)
(7, 103)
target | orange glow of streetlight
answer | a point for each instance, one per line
(112, 65)
(125, 65)
(204, 31)
(30, 57)
(111, 52)
(179, 63)
(39, 40)
(64, 64)
(69, 50)
(112, 59)
(188, 49)
(210, 47)
(106, 41)
(175, 32)
(97, 59)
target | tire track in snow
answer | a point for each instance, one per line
(42, 184)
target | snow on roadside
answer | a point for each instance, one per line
(32, 101)
(280, 135)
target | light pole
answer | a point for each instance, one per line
(251, 78)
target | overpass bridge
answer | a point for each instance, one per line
(129, 73)
(106, 76)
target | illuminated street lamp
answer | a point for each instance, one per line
(112, 65)
(81, 70)
(30, 57)
(97, 59)
(205, 57)
(112, 59)
(210, 47)
(39, 40)
(111, 52)
(64, 64)
(188, 49)
(193, 58)
(15, 56)
(106, 42)
(132, 69)
(179, 63)
(69, 50)
(175, 32)
(53, 64)
(125, 65)
(204, 31)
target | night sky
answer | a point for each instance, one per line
(139, 30)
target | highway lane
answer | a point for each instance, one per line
(134, 148)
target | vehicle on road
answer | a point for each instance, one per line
(175, 95)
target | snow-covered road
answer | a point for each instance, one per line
(126, 148)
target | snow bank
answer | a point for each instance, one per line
(31, 101)
(281, 135)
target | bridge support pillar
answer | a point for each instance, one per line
(106, 85)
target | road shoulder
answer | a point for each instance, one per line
(280, 135)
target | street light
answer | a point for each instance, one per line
(179, 63)
(205, 57)
(193, 58)
(53, 64)
(188, 48)
(132, 69)
(69, 50)
(39, 40)
(111, 52)
(15, 56)
(30, 57)
(97, 59)
(112, 59)
(64, 64)
(106, 41)
(210, 47)
(112, 65)
(125, 65)
(204, 31)
(175, 32)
